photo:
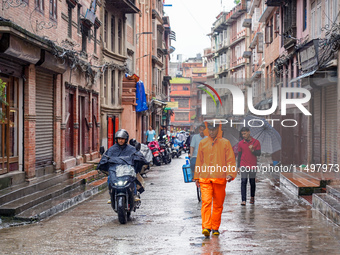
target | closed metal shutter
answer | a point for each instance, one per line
(331, 124)
(44, 121)
(316, 141)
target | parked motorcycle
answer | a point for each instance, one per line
(165, 152)
(155, 149)
(125, 183)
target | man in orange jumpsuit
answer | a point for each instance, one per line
(215, 166)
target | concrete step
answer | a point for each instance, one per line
(50, 194)
(21, 204)
(328, 206)
(334, 191)
(80, 170)
(60, 203)
(91, 176)
(24, 189)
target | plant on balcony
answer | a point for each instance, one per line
(2, 98)
(237, 1)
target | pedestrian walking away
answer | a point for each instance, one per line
(248, 150)
(196, 139)
(215, 166)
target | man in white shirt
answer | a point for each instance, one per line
(195, 141)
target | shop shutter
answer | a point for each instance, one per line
(44, 119)
(331, 124)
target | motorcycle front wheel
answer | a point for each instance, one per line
(122, 215)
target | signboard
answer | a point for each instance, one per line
(172, 105)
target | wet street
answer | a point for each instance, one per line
(169, 222)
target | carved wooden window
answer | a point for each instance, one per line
(313, 17)
(105, 27)
(69, 25)
(78, 18)
(305, 14)
(53, 9)
(319, 19)
(120, 36)
(113, 84)
(39, 5)
(113, 31)
(95, 40)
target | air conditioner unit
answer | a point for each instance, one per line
(247, 54)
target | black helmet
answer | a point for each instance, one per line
(122, 133)
(133, 142)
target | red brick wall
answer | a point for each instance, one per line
(29, 122)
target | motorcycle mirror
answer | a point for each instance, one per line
(138, 146)
(101, 150)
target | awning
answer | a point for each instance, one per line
(302, 76)
(266, 13)
(158, 102)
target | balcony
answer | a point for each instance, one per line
(238, 63)
(275, 2)
(125, 6)
(289, 38)
(236, 12)
(238, 37)
(223, 69)
(254, 4)
(222, 46)
(220, 24)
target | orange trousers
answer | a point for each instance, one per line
(212, 195)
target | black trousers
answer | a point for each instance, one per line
(245, 175)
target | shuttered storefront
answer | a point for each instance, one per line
(44, 119)
(331, 124)
(316, 141)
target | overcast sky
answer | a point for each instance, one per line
(192, 21)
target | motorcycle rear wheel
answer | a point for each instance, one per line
(122, 215)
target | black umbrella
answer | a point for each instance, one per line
(261, 130)
(232, 134)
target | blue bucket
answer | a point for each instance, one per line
(187, 173)
(275, 163)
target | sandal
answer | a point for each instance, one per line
(243, 203)
(252, 200)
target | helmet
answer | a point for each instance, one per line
(133, 142)
(122, 133)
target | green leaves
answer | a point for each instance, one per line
(2, 98)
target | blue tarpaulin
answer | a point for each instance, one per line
(140, 97)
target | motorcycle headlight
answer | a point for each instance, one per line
(121, 183)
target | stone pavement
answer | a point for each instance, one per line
(169, 222)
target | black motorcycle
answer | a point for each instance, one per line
(165, 153)
(124, 186)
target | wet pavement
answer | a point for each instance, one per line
(169, 222)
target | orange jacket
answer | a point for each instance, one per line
(215, 159)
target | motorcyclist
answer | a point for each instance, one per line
(122, 153)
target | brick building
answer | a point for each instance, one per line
(48, 59)
(180, 92)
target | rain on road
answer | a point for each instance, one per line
(169, 222)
